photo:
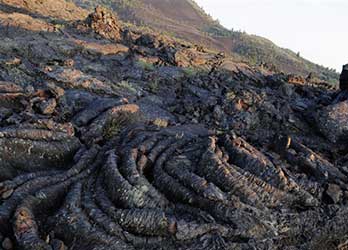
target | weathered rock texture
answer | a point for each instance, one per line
(104, 23)
(115, 139)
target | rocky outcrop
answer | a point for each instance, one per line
(105, 23)
(344, 78)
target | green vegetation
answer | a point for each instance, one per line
(114, 125)
(125, 86)
(217, 31)
(145, 65)
(189, 71)
(112, 128)
(154, 87)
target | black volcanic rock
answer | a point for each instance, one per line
(344, 78)
(112, 142)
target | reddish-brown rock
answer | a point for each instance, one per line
(105, 23)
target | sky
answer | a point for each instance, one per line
(318, 29)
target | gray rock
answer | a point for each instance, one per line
(7, 244)
(152, 111)
(333, 121)
(334, 192)
(218, 112)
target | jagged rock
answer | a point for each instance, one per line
(287, 89)
(8, 87)
(148, 40)
(105, 23)
(11, 95)
(95, 108)
(48, 107)
(344, 78)
(56, 90)
(294, 79)
(75, 79)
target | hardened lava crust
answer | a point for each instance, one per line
(112, 137)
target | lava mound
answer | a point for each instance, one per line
(116, 138)
(155, 188)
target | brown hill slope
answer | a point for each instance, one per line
(48, 9)
(186, 20)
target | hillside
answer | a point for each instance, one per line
(186, 20)
(117, 138)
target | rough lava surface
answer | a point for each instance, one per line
(112, 138)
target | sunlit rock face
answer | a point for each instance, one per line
(105, 23)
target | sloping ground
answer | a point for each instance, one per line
(116, 139)
(48, 8)
(186, 20)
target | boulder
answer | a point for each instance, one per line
(344, 78)
(148, 40)
(334, 192)
(7, 244)
(332, 121)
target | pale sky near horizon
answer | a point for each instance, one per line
(318, 29)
